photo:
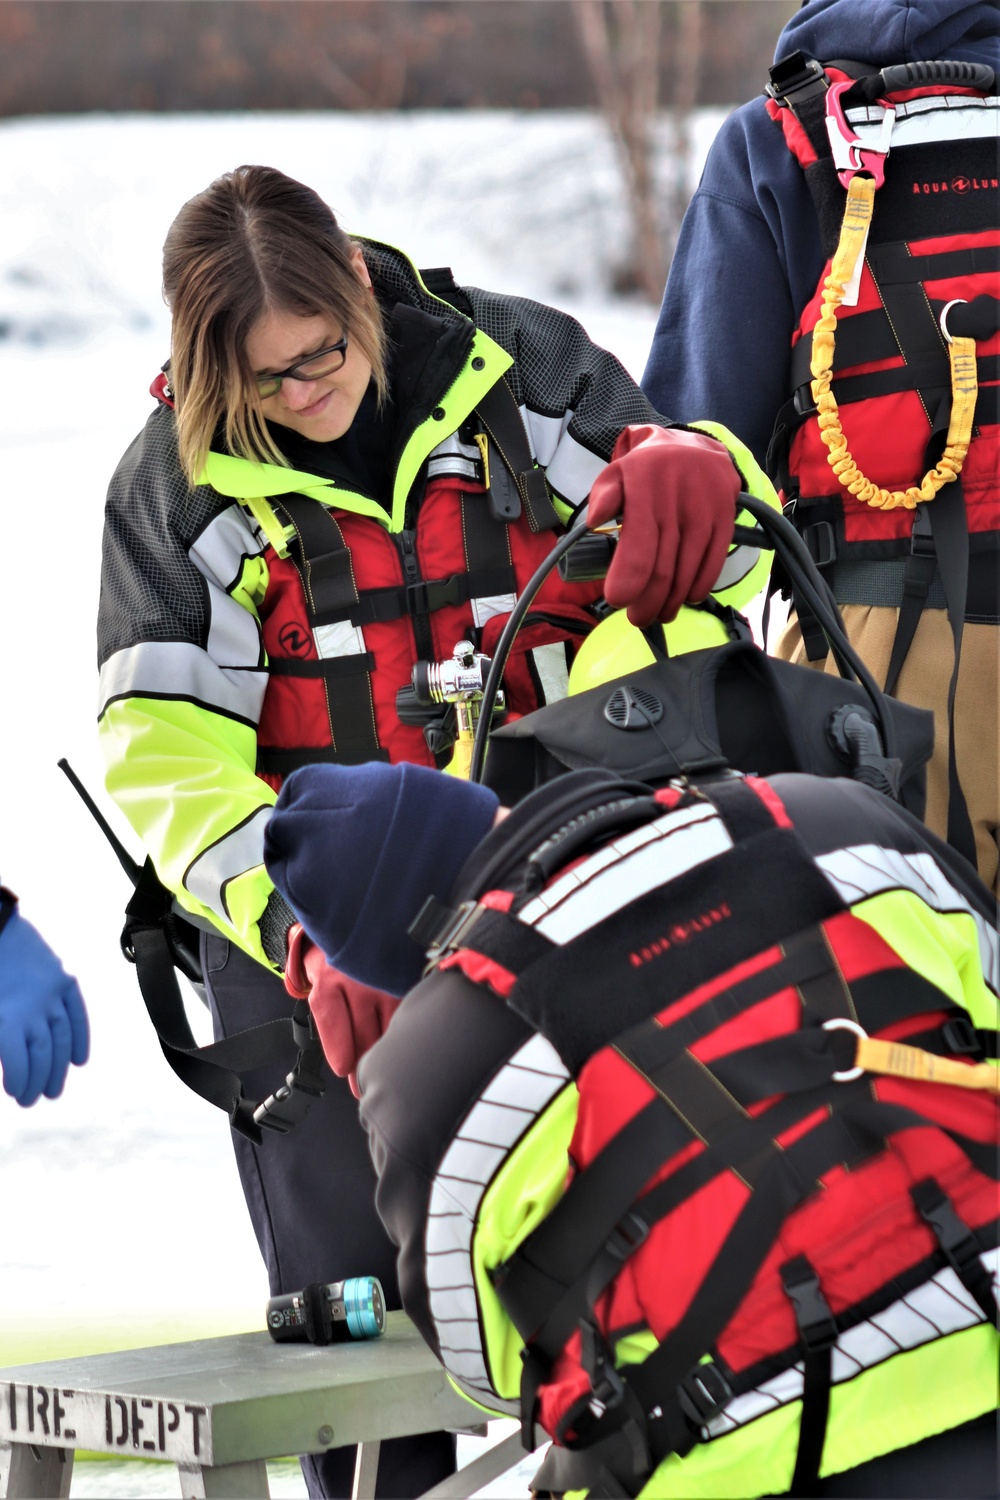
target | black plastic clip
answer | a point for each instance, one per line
(703, 1393)
(816, 1323)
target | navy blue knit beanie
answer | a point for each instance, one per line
(356, 850)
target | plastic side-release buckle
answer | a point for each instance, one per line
(795, 79)
(821, 540)
(850, 154)
(703, 1393)
(962, 1037)
(816, 1323)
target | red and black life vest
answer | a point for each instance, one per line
(738, 1188)
(381, 602)
(934, 244)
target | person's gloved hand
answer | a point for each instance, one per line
(676, 494)
(43, 1020)
(350, 1017)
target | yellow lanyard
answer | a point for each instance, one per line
(961, 353)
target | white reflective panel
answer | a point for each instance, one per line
(219, 551)
(239, 851)
(340, 639)
(465, 1194)
(175, 669)
(940, 117)
(865, 869)
(495, 1125)
(526, 1090)
(635, 876)
(234, 639)
(737, 565)
(467, 1366)
(553, 671)
(447, 1232)
(444, 1202)
(473, 1161)
(460, 1302)
(570, 468)
(491, 604)
(448, 1270)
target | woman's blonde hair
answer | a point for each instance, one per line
(254, 242)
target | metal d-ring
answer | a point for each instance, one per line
(943, 319)
(841, 1023)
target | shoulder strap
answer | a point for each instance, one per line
(501, 416)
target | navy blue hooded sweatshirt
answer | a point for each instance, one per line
(749, 254)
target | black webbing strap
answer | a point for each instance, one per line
(324, 565)
(214, 1071)
(789, 1178)
(500, 415)
(324, 666)
(746, 1150)
(959, 1244)
(425, 595)
(893, 265)
(942, 543)
(818, 1334)
(486, 542)
(597, 1203)
(927, 372)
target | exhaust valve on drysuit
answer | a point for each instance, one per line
(323, 1313)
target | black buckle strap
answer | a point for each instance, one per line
(816, 1323)
(284, 1108)
(703, 1393)
(960, 1246)
(818, 1333)
(795, 79)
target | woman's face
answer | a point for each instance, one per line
(318, 409)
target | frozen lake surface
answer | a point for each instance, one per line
(124, 1223)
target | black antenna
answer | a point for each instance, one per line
(128, 864)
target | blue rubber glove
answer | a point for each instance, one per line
(43, 1020)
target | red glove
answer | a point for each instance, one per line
(349, 1016)
(676, 494)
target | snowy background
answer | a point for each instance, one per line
(123, 1220)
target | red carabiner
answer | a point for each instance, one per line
(851, 155)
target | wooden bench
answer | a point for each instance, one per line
(218, 1408)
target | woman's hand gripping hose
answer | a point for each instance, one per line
(675, 492)
(349, 1016)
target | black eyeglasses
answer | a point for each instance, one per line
(323, 362)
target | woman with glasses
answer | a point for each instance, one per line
(352, 467)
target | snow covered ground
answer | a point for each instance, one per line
(122, 1216)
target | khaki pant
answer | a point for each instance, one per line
(923, 681)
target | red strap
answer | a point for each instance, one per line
(160, 388)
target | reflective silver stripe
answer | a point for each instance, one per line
(507, 1107)
(933, 1310)
(738, 563)
(220, 550)
(175, 669)
(491, 604)
(340, 639)
(866, 869)
(455, 457)
(570, 468)
(626, 869)
(937, 117)
(239, 851)
(553, 671)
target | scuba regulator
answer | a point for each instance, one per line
(445, 699)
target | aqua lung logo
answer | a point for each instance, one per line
(294, 639)
(679, 934)
(959, 185)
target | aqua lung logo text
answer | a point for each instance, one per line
(679, 934)
(959, 185)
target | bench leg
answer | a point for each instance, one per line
(365, 1471)
(246, 1481)
(38, 1473)
(481, 1472)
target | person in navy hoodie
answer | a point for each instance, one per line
(749, 260)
